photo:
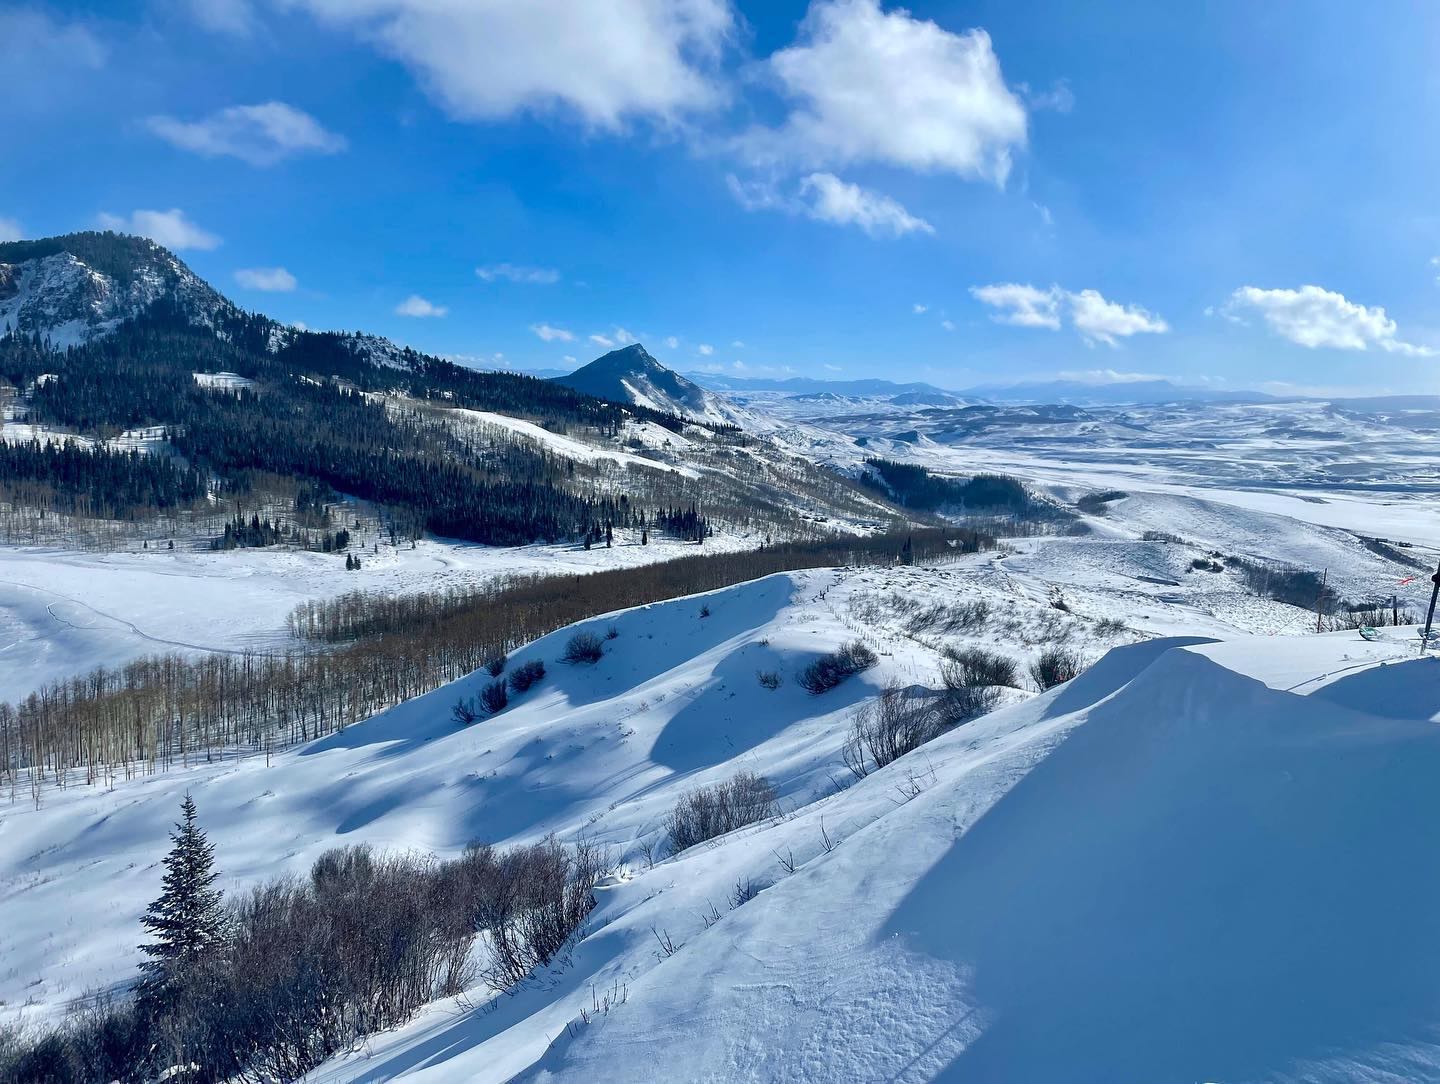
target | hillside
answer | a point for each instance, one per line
(992, 906)
(237, 409)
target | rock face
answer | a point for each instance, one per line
(632, 375)
(73, 288)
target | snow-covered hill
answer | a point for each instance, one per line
(1203, 859)
(632, 375)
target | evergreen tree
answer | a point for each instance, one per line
(187, 920)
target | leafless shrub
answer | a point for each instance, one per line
(974, 666)
(831, 669)
(705, 610)
(827, 842)
(668, 947)
(1162, 536)
(537, 898)
(1055, 666)
(465, 712)
(494, 696)
(711, 916)
(495, 665)
(583, 647)
(961, 705)
(612, 633)
(527, 674)
(707, 812)
(769, 679)
(888, 727)
(745, 890)
(1110, 626)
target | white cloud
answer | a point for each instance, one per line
(569, 359)
(415, 305)
(552, 334)
(1105, 376)
(1314, 317)
(672, 343)
(270, 279)
(620, 335)
(1021, 305)
(260, 134)
(533, 276)
(224, 16)
(831, 368)
(603, 340)
(919, 309)
(875, 86)
(607, 62)
(948, 325)
(705, 349)
(1097, 319)
(738, 345)
(836, 201)
(826, 198)
(169, 228)
(1059, 98)
(10, 229)
(33, 43)
(1045, 215)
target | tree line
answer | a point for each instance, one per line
(78, 479)
(161, 710)
(267, 985)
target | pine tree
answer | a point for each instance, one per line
(187, 920)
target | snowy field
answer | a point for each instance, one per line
(63, 613)
(1103, 882)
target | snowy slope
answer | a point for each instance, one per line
(1178, 867)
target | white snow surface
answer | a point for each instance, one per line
(1207, 858)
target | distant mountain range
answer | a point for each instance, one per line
(801, 385)
(1120, 392)
(922, 394)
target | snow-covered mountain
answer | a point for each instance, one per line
(70, 289)
(632, 375)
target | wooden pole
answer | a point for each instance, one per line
(1430, 616)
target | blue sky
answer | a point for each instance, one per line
(961, 193)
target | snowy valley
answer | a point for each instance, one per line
(1105, 783)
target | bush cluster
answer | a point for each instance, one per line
(831, 669)
(1055, 666)
(526, 675)
(970, 667)
(888, 727)
(494, 697)
(583, 647)
(707, 812)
